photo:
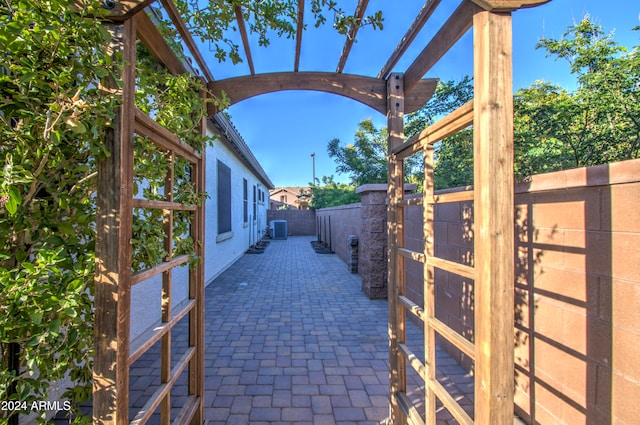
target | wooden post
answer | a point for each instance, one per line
(493, 209)
(196, 281)
(395, 239)
(113, 243)
(428, 289)
(167, 286)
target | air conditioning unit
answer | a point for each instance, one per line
(278, 229)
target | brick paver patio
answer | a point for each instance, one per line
(291, 339)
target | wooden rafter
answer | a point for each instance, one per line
(455, 27)
(245, 39)
(173, 13)
(351, 36)
(412, 32)
(153, 40)
(299, 29)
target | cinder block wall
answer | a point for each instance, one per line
(299, 222)
(344, 221)
(577, 300)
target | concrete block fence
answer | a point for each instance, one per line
(577, 285)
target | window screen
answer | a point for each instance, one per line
(254, 202)
(224, 198)
(245, 206)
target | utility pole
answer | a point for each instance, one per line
(313, 161)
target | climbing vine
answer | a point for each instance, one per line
(173, 101)
(53, 114)
(52, 117)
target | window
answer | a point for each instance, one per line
(254, 202)
(283, 199)
(245, 206)
(224, 198)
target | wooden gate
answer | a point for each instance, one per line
(491, 115)
(114, 353)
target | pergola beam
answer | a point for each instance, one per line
(367, 90)
(245, 39)
(299, 28)
(174, 15)
(455, 27)
(153, 40)
(412, 32)
(351, 36)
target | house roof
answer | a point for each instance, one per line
(230, 136)
(297, 190)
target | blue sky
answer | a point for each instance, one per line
(283, 129)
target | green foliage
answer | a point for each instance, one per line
(448, 96)
(212, 21)
(542, 111)
(601, 118)
(331, 194)
(554, 129)
(174, 102)
(52, 116)
(453, 156)
(454, 161)
(364, 160)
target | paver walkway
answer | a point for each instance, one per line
(291, 339)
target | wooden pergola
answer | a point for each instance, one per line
(391, 93)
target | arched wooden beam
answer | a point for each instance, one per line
(367, 90)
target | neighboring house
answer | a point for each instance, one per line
(292, 197)
(235, 219)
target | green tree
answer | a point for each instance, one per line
(556, 129)
(448, 96)
(542, 112)
(602, 120)
(453, 161)
(364, 160)
(331, 194)
(453, 156)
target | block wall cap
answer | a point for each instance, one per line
(339, 207)
(599, 175)
(382, 187)
(622, 172)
